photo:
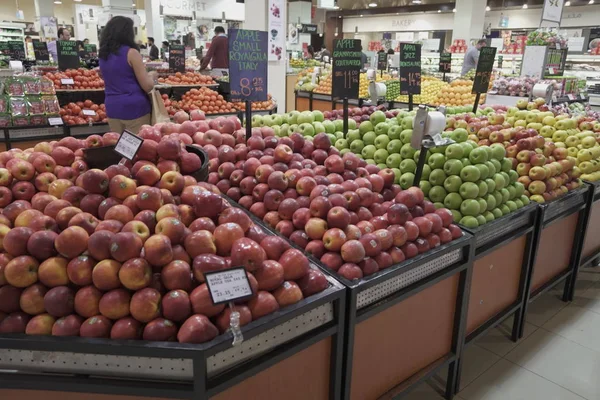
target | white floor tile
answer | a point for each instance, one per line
(577, 324)
(508, 381)
(476, 361)
(547, 354)
(545, 307)
(589, 298)
(498, 340)
(424, 392)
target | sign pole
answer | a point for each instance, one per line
(345, 115)
(420, 165)
(410, 102)
(248, 119)
(477, 96)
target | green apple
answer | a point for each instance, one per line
(491, 185)
(380, 156)
(519, 189)
(352, 135)
(357, 146)
(506, 165)
(453, 201)
(277, 130)
(407, 165)
(425, 187)
(284, 130)
(329, 126)
(338, 135)
(381, 141)
(306, 129)
(437, 194)
(406, 135)
(454, 151)
(481, 220)
(489, 217)
(381, 166)
(482, 204)
(382, 128)
(504, 208)
(483, 170)
(469, 190)
(470, 173)
(513, 176)
(319, 127)
(306, 117)
(365, 126)
(397, 174)
(491, 168)
(394, 132)
(497, 165)
(426, 171)
(452, 183)
(352, 124)
(407, 122)
(500, 181)
(406, 151)
(478, 156)
(318, 116)
(369, 137)
(332, 138)
(469, 207)
(377, 117)
(393, 161)
(436, 160)
(465, 161)
(498, 196)
(466, 149)
(406, 180)
(505, 195)
(368, 152)
(339, 125)
(344, 151)
(294, 128)
(483, 189)
(394, 146)
(519, 203)
(277, 119)
(456, 215)
(267, 120)
(497, 213)
(437, 177)
(506, 178)
(341, 144)
(491, 202)
(292, 117)
(459, 135)
(453, 167)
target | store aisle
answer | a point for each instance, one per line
(558, 358)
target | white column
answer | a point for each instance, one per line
(43, 8)
(256, 19)
(154, 23)
(469, 19)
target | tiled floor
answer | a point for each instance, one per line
(558, 358)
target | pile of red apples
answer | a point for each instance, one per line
(121, 253)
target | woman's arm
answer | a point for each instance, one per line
(208, 57)
(144, 78)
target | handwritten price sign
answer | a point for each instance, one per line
(446, 62)
(347, 62)
(410, 68)
(128, 145)
(483, 74)
(248, 64)
(177, 58)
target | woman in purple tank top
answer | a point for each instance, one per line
(125, 77)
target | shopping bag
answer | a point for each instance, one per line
(159, 111)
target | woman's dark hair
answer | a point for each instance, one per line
(117, 32)
(310, 50)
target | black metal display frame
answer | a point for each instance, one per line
(573, 202)
(593, 197)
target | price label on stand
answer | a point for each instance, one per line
(90, 113)
(446, 62)
(347, 63)
(483, 73)
(410, 68)
(176, 58)
(128, 145)
(55, 121)
(228, 285)
(68, 57)
(67, 81)
(382, 61)
(248, 67)
(40, 50)
(16, 49)
(90, 50)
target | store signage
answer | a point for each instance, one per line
(485, 65)
(410, 68)
(347, 63)
(382, 61)
(128, 144)
(68, 57)
(40, 50)
(16, 49)
(552, 10)
(176, 58)
(554, 64)
(276, 29)
(54, 121)
(67, 81)
(575, 44)
(248, 64)
(90, 50)
(229, 285)
(445, 62)
(308, 28)
(4, 49)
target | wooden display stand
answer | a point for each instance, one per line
(591, 243)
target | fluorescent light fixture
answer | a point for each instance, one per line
(591, 2)
(454, 10)
(77, 1)
(361, 15)
(57, 2)
(372, 4)
(439, 11)
(339, 16)
(336, 7)
(525, 5)
(133, 5)
(487, 8)
(416, 1)
(567, 4)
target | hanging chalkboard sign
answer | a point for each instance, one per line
(483, 74)
(4, 49)
(382, 61)
(176, 58)
(90, 51)
(40, 49)
(248, 66)
(347, 62)
(16, 49)
(410, 68)
(554, 65)
(68, 57)
(445, 62)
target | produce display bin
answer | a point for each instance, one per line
(271, 362)
(591, 242)
(322, 102)
(303, 101)
(79, 131)
(25, 136)
(501, 266)
(557, 250)
(66, 96)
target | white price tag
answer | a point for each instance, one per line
(67, 81)
(128, 145)
(229, 285)
(91, 113)
(55, 121)
(571, 97)
(16, 65)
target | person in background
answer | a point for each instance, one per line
(472, 56)
(125, 77)
(311, 53)
(218, 53)
(27, 39)
(153, 54)
(325, 53)
(164, 49)
(141, 44)
(80, 49)
(390, 52)
(86, 41)
(63, 34)
(363, 58)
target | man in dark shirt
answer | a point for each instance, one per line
(363, 58)
(218, 52)
(153, 54)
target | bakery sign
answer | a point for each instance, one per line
(182, 7)
(403, 23)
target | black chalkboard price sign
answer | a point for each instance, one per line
(40, 50)
(347, 62)
(4, 49)
(176, 58)
(16, 49)
(68, 57)
(445, 62)
(248, 64)
(483, 74)
(382, 61)
(90, 51)
(410, 68)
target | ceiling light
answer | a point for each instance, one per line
(525, 5)
(591, 2)
(567, 4)
(487, 8)
(361, 15)
(133, 5)
(416, 1)
(340, 16)
(454, 10)
(372, 4)
(57, 2)
(336, 7)
(439, 10)
(77, 1)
